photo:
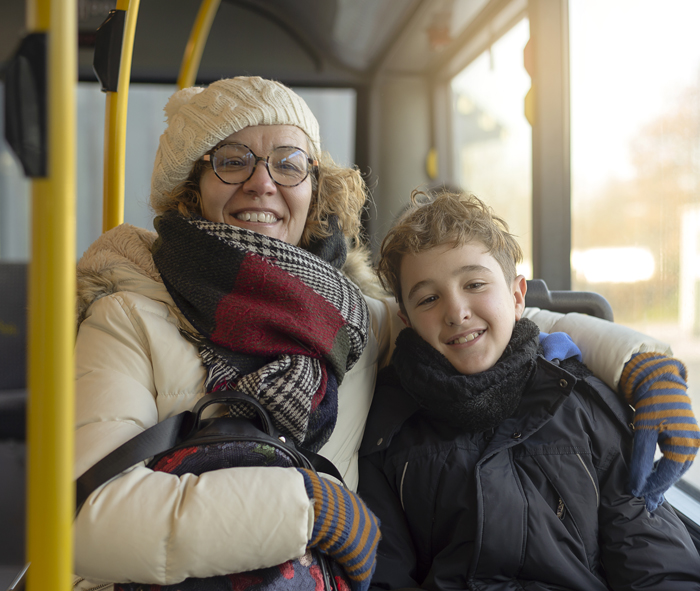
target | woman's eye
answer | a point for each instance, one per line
(287, 166)
(232, 163)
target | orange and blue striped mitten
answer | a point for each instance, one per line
(344, 528)
(655, 385)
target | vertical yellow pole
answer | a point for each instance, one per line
(115, 125)
(50, 499)
(196, 43)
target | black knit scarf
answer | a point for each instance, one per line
(469, 403)
(278, 323)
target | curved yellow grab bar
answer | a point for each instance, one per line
(115, 126)
(196, 43)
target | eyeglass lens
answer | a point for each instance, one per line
(235, 163)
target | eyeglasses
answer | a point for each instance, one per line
(234, 164)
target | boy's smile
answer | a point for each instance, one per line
(458, 300)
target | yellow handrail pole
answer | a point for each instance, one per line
(115, 126)
(196, 43)
(51, 497)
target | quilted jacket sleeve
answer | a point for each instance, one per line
(639, 550)
(605, 346)
(152, 527)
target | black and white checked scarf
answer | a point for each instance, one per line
(279, 323)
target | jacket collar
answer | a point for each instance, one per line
(549, 387)
(392, 407)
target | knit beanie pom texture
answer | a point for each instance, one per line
(199, 118)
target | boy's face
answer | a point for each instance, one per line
(458, 300)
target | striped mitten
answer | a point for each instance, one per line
(655, 385)
(344, 528)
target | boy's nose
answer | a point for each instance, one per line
(457, 312)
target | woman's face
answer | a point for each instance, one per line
(259, 204)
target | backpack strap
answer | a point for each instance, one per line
(323, 464)
(172, 431)
(149, 443)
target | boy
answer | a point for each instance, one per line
(489, 467)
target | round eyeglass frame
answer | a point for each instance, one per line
(313, 164)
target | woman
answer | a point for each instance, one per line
(164, 318)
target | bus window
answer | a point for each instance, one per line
(333, 107)
(14, 200)
(145, 123)
(635, 137)
(492, 138)
(335, 110)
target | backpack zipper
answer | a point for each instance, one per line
(97, 588)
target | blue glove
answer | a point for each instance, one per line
(655, 385)
(559, 345)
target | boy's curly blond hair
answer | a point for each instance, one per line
(445, 218)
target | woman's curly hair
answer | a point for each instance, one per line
(336, 190)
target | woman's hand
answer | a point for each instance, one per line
(344, 528)
(655, 385)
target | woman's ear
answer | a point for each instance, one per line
(519, 291)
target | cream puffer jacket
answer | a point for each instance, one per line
(135, 367)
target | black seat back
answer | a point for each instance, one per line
(13, 349)
(13, 325)
(13, 401)
(586, 302)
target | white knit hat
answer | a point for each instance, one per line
(199, 118)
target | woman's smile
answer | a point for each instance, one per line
(256, 217)
(259, 204)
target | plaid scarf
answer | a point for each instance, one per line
(274, 318)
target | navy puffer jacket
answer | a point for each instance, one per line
(540, 503)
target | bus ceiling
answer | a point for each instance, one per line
(303, 43)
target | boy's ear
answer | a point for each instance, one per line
(519, 291)
(404, 318)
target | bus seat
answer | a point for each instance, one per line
(13, 349)
(13, 402)
(586, 302)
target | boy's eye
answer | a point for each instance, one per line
(428, 300)
(475, 285)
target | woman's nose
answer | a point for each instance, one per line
(260, 182)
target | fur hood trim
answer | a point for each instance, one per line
(359, 270)
(100, 270)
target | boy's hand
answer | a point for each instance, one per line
(655, 385)
(344, 528)
(558, 345)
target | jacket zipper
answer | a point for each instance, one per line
(597, 496)
(403, 475)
